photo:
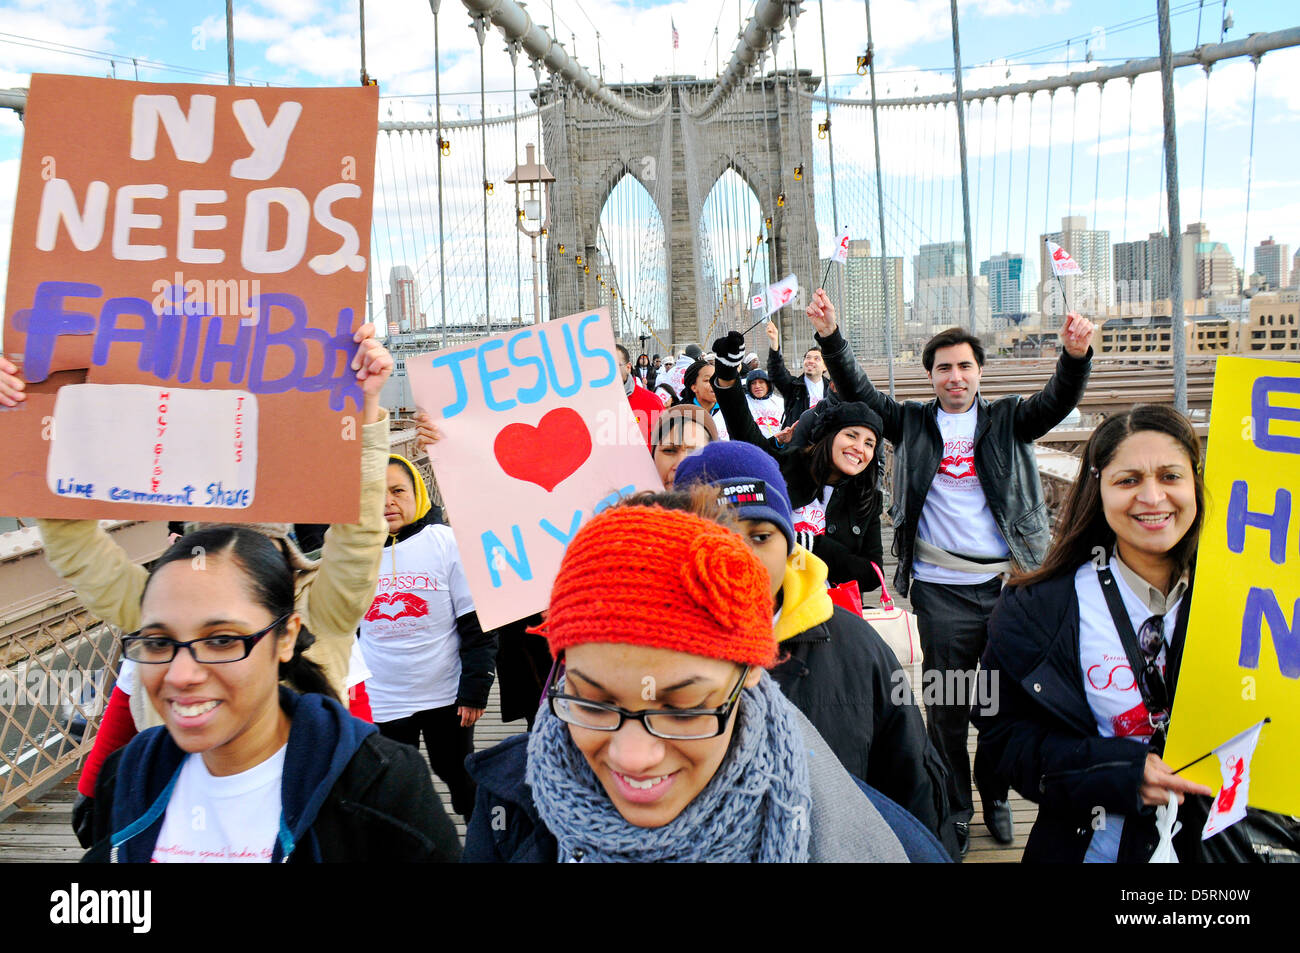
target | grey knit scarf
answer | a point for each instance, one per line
(755, 808)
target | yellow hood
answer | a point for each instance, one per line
(805, 601)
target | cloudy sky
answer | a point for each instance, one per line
(315, 43)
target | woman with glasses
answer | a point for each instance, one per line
(667, 740)
(1083, 654)
(246, 769)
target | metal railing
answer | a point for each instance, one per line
(58, 665)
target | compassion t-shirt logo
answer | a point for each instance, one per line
(396, 605)
(958, 464)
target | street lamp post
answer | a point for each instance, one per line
(536, 208)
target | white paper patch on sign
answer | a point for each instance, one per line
(168, 446)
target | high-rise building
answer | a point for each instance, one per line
(1271, 261)
(862, 306)
(1089, 293)
(943, 302)
(1209, 270)
(1141, 270)
(1009, 296)
(403, 299)
(937, 260)
(1295, 271)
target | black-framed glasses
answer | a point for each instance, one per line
(213, 650)
(687, 724)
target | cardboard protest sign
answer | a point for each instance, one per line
(1241, 662)
(537, 438)
(187, 270)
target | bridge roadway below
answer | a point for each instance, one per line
(39, 829)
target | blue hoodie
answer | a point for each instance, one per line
(323, 738)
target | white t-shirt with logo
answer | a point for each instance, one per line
(408, 635)
(1112, 691)
(811, 517)
(229, 820)
(816, 390)
(767, 412)
(956, 516)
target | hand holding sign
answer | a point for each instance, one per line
(11, 384)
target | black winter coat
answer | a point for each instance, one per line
(1005, 430)
(848, 683)
(852, 541)
(376, 800)
(1043, 739)
(793, 389)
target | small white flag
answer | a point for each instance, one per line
(776, 297)
(1234, 764)
(842, 250)
(1062, 263)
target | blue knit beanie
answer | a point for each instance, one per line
(750, 481)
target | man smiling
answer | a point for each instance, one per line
(968, 507)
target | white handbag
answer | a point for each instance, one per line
(894, 624)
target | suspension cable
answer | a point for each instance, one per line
(480, 28)
(1250, 168)
(437, 99)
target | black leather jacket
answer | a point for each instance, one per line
(1005, 431)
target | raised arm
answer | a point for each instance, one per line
(1040, 413)
(850, 380)
(776, 370)
(345, 585)
(729, 351)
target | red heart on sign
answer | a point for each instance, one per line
(546, 454)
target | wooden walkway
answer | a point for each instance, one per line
(41, 830)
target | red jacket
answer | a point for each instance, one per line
(646, 408)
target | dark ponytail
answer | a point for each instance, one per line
(270, 581)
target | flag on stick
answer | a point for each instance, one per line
(842, 249)
(1062, 263)
(1234, 764)
(776, 296)
(675, 37)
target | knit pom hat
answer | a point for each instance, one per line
(750, 481)
(667, 579)
(849, 413)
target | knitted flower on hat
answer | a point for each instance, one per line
(644, 575)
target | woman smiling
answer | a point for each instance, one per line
(669, 741)
(245, 769)
(1084, 653)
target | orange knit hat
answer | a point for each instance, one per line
(666, 579)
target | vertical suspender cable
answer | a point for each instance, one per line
(1250, 169)
(965, 183)
(880, 205)
(1029, 160)
(480, 28)
(537, 297)
(1128, 154)
(803, 130)
(513, 48)
(230, 42)
(1175, 238)
(830, 145)
(437, 101)
(1096, 174)
(1074, 132)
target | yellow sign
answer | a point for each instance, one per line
(1241, 661)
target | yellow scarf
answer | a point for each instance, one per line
(805, 602)
(422, 502)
